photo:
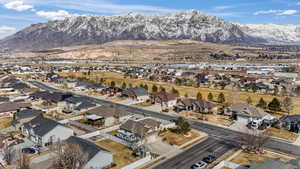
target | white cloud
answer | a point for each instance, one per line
(18, 5)
(100, 6)
(55, 15)
(224, 7)
(277, 12)
(6, 31)
(298, 3)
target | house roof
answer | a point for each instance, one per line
(52, 97)
(271, 163)
(4, 99)
(198, 103)
(28, 113)
(86, 146)
(13, 106)
(291, 118)
(108, 111)
(165, 96)
(136, 127)
(85, 105)
(150, 123)
(248, 110)
(41, 125)
(137, 91)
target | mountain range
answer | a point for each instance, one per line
(193, 25)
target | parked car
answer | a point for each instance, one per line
(29, 151)
(200, 165)
(209, 159)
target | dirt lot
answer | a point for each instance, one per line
(122, 155)
(245, 159)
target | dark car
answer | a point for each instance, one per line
(29, 150)
(209, 159)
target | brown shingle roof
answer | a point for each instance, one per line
(108, 111)
(13, 106)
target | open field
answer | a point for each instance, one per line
(148, 51)
(190, 91)
(122, 155)
(245, 159)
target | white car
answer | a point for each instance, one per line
(200, 165)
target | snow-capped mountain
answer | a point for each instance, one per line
(83, 30)
(278, 34)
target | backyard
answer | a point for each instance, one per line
(122, 155)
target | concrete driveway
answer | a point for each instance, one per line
(160, 147)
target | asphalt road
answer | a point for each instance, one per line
(196, 153)
(219, 137)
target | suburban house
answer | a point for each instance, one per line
(106, 116)
(75, 105)
(25, 116)
(97, 157)
(138, 94)
(49, 98)
(44, 132)
(164, 98)
(246, 113)
(291, 123)
(144, 130)
(201, 106)
(9, 108)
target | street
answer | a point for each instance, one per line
(195, 154)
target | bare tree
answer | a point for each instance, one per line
(253, 140)
(288, 104)
(23, 162)
(69, 156)
(8, 154)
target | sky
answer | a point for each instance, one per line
(18, 14)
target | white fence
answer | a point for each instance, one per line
(138, 163)
(71, 119)
(107, 136)
(229, 165)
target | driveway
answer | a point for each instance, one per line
(160, 147)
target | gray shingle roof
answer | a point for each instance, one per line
(88, 147)
(247, 110)
(41, 125)
(13, 106)
(271, 163)
(28, 113)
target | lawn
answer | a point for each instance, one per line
(191, 91)
(5, 122)
(178, 139)
(245, 159)
(122, 155)
(284, 134)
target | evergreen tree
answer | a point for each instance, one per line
(124, 85)
(262, 104)
(112, 83)
(186, 95)
(221, 98)
(274, 105)
(154, 88)
(199, 96)
(146, 87)
(162, 89)
(210, 96)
